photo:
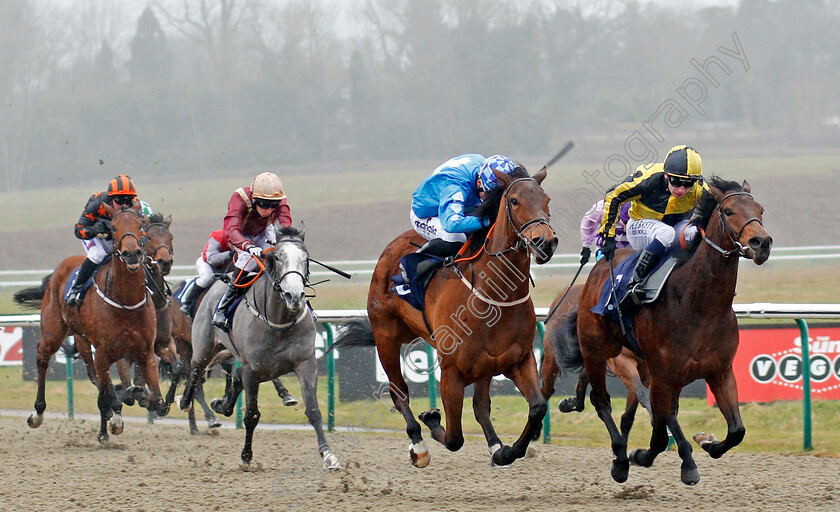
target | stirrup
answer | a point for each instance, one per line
(221, 321)
(74, 298)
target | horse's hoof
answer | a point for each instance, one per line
(290, 401)
(430, 417)
(330, 461)
(184, 405)
(162, 409)
(128, 397)
(566, 405)
(619, 472)
(420, 455)
(216, 406)
(116, 425)
(705, 440)
(102, 438)
(34, 419)
(690, 476)
(213, 423)
(503, 457)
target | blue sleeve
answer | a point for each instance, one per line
(451, 212)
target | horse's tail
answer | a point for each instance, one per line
(354, 333)
(567, 344)
(31, 297)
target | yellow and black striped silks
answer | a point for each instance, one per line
(648, 189)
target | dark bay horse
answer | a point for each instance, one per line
(689, 333)
(272, 333)
(479, 316)
(116, 317)
(626, 366)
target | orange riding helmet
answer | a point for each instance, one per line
(122, 185)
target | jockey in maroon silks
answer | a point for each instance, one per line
(249, 230)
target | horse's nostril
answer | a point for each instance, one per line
(755, 243)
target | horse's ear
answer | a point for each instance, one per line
(168, 221)
(110, 210)
(302, 230)
(503, 178)
(745, 187)
(716, 193)
(540, 176)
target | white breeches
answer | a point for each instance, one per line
(644, 231)
(205, 273)
(97, 249)
(431, 228)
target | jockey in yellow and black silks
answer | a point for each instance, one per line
(662, 198)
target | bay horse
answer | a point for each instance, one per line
(689, 333)
(272, 333)
(116, 318)
(157, 265)
(627, 366)
(479, 316)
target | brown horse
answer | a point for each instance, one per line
(689, 333)
(479, 317)
(627, 366)
(157, 265)
(116, 318)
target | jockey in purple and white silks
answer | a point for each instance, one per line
(440, 205)
(591, 223)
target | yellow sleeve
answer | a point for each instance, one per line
(627, 190)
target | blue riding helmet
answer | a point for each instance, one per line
(499, 163)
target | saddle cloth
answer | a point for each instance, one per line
(414, 291)
(649, 289)
(88, 283)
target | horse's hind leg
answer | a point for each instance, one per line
(726, 395)
(53, 332)
(596, 368)
(105, 398)
(252, 413)
(577, 403)
(148, 369)
(481, 409)
(452, 395)
(282, 392)
(389, 356)
(307, 373)
(124, 391)
(209, 415)
(234, 387)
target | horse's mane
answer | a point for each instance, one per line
(156, 218)
(705, 208)
(288, 232)
(489, 208)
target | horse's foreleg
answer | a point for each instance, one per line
(87, 356)
(577, 403)
(596, 370)
(282, 392)
(124, 371)
(252, 413)
(233, 389)
(726, 395)
(548, 371)
(148, 369)
(452, 396)
(526, 379)
(209, 415)
(481, 409)
(307, 373)
(104, 400)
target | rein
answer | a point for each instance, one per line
(275, 285)
(733, 236)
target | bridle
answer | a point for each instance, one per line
(278, 288)
(512, 221)
(275, 281)
(141, 240)
(152, 258)
(733, 236)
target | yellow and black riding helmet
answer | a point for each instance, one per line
(684, 162)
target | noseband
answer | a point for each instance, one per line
(275, 281)
(733, 236)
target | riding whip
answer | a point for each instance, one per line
(333, 269)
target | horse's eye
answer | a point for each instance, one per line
(727, 212)
(514, 202)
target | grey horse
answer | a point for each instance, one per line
(272, 333)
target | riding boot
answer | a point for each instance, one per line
(220, 315)
(648, 259)
(74, 298)
(440, 247)
(189, 298)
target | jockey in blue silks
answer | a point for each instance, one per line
(440, 205)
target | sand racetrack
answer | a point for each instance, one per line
(61, 467)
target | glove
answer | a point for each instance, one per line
(584, 255)
(255, 251)
(609, 248)
(485, 222)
